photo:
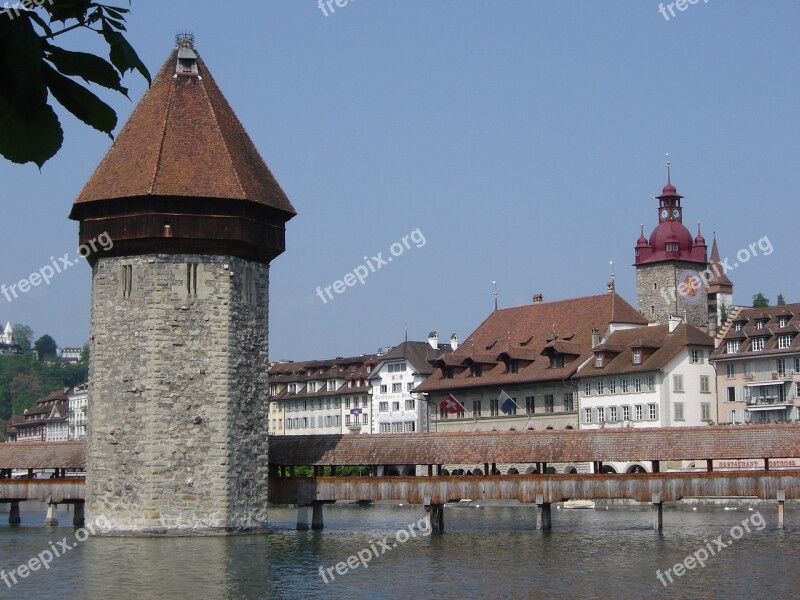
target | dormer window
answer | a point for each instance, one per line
(292, 388)
(598, 361)
(732, 347)
(737, 326)
(557, 361)
(784, 341)
(758, 344)
(783, 322)
(637, 356)
(331, 385)
(475, 370)
(760, 324)
(671, 247)
(312, 386)
(513, 366)
(448, 372)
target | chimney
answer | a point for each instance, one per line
(674, 322)
(454, 342)
(595, 338)
(538, 298)
(433, 340)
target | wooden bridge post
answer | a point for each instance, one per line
(51, 520)
(781, 501)
(658, 514)
(316, 516)
(543, 518)
(302, 517)
(78, 519)
(13, 514)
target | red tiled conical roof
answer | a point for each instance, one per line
(184, 140)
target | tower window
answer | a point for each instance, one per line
(655, 285)
(126, 280)
(191, 279)
(652, 309)
(249, 286)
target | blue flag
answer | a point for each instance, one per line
(507, 403)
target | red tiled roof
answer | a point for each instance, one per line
(669, 443)
(667, 346)
(184, 140)
(43, 455)
(530, 329)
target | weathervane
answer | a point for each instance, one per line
(669, 164)
(184, 39)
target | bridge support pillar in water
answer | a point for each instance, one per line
(51, 520)
(316, 516)
(78, 519)
(781, 501)
(658, 512)
(437, 518)
(13, 514)
(302, 517)
(544, 521)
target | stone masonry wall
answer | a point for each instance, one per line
(665, 292)
(178, 377)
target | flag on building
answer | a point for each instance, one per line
(507, 403)
(451, 405)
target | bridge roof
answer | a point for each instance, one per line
(685, 443)
(43, 455)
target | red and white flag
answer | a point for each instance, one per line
(451, 405)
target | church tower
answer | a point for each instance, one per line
(671, 265)
(178, 345)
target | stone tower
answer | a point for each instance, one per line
(178, 363)
(671, 266)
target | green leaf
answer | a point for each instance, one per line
(34, 136)
(88, 67)
(20, 58)
(123, 56)
(79, 101)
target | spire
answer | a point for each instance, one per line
(717, 268)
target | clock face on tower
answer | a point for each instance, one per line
(676, 214)
(664, 213)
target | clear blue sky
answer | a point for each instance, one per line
(525, 140)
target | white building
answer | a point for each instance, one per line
(657, 376)
(7, 337)
(395, 408)
(76, 412)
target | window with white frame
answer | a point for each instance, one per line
(705, 411)
(396, 405)
(601, 387)
(476, 408)
(652, 411)
(677, 383)
(292, 389)
(384, 388)
(637, 385)
(625, 384)
(549, 402)
(383, 406)
(386, 428)
(626, 413)
(732, 346)
(612, 386)
(410, 404)
(397, 367)
(637, 412)
(331, 385)
(695, 356)
(758, 344)
(780, 367)
(397, 388)
(587, 415)
(312, 386)
(569, 402)
(598, 360)
(784, 341)
(410, 386)
(760, 324)
(678, 411)
(730, 371)
(587, 388)
(650, 381)
(601, 414)
(612, 414)
(705, 384)
(494, 407)
(637, 356)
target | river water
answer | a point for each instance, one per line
(486, 552)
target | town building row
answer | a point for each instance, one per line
(58, 417)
